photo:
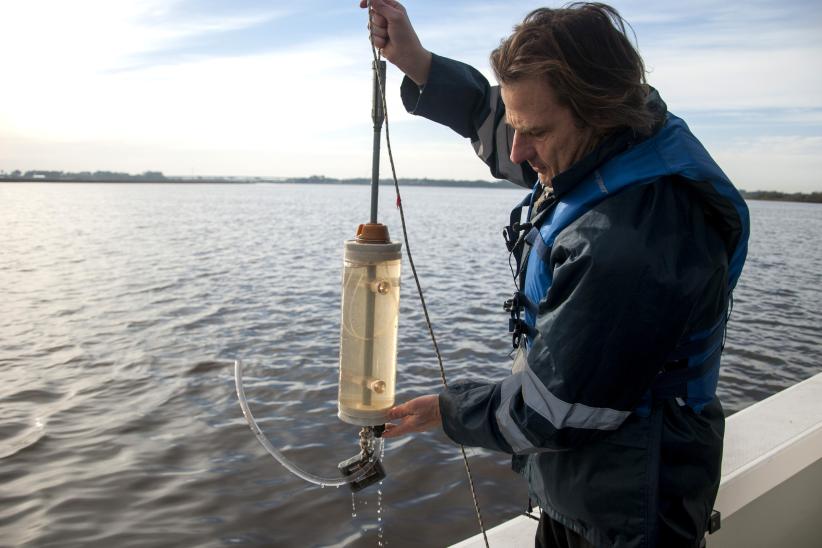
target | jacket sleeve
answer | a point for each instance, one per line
(630, 277)
(458, 96)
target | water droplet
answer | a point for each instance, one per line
(379, 516)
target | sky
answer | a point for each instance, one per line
(283, 89)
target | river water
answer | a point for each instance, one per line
(124, 305)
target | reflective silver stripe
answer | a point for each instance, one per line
(600, 182)
(507, 427)
(559, 413)
(562, 414)
(520, 360)
(485, 135)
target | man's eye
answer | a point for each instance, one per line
(533, 133)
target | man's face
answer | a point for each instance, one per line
(546, 134)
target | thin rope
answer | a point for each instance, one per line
(377, 58)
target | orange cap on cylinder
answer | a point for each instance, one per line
(373, 233)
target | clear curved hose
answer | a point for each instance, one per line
(290, 466)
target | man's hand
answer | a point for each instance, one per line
(393, 33)
(417, 415)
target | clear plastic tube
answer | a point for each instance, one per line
(290, 466)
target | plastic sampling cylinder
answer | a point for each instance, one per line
(368, 338)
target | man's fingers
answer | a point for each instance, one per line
(393, 4)
(393, 11)
(398, 411)
(417, 415)
(378, 20)
(377, 30)
(406, 426)
(392, 430)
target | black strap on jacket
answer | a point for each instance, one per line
(519, 238)
(513, 232)
(673, 380)
(516, 325)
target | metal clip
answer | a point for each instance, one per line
(365, 458)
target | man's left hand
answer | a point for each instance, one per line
(417, 415)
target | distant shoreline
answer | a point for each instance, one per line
(68, 178)
(159, 178)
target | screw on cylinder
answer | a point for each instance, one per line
(383, 287)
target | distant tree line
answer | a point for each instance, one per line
(157, 177)
(322, 179)
(814, 197)
(774, 196)
(110, 176)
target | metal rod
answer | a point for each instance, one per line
(368, 350)
(377, 116)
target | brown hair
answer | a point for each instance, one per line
(583, 52)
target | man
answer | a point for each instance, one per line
(633, 243)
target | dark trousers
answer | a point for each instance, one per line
(552, 534)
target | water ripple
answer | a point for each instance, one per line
(125, 306)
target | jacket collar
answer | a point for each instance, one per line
(611, 146)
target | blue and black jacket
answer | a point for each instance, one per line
(625, 282)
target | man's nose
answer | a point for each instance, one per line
(521, 149)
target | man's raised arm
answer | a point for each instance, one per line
(448, 92)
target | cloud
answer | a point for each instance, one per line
(787, 163)
(69, 91)
(270, 97)
(736, 79)
(290, 111)
(275, 88)
(726, 57)
(51, 39)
